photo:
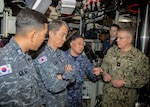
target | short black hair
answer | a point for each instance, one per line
(75, 36)
(28, 18)
(104, 32)
(115, 25)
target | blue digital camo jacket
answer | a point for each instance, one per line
(83, 68)
(49, 64)
(18, 78)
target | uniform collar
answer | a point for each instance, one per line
(50, 49)
(68, 51)
(16, 47)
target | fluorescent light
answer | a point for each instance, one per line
(124, 18)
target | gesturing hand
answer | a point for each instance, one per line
(97, 71)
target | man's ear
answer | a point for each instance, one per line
(32, 35)
(50, 33)
(71, 43)
(129, 39)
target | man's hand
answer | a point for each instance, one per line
(117, 83)
(68, 68)
(97, 71)
(106, 77)
(59, 76)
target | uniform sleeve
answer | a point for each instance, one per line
(70, 76)
(48, 77)
(104, 46)
(89, 69)
(141, 74)
(106, 64)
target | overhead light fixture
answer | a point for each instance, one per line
(124, 18)
(38, 5)
(68, 6)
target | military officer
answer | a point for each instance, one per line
(125, 68)
(83, 68)
(54, 68)
(18, 78)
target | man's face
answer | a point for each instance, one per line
(40, 37)
(77, 46)
(123, 39)
(59, 37)
(102, 37)
(113, 31)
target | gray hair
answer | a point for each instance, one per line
(55, 25)
(129, 30)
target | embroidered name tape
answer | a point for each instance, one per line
(42, 59)
(5, 70)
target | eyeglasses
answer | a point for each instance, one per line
(122, 38)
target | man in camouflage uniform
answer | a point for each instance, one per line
(54, 67)
(83, 67)
(18, 85)
(125, 69)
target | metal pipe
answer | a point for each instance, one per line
(137, 28)
(144, 35)
(117, 17)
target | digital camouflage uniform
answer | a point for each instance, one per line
(18, 85)
(133, 68)
(49, 64)
(83, 67)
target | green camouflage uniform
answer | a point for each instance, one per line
(133, 68)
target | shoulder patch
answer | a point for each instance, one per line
(42, 59)
(5, 69)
